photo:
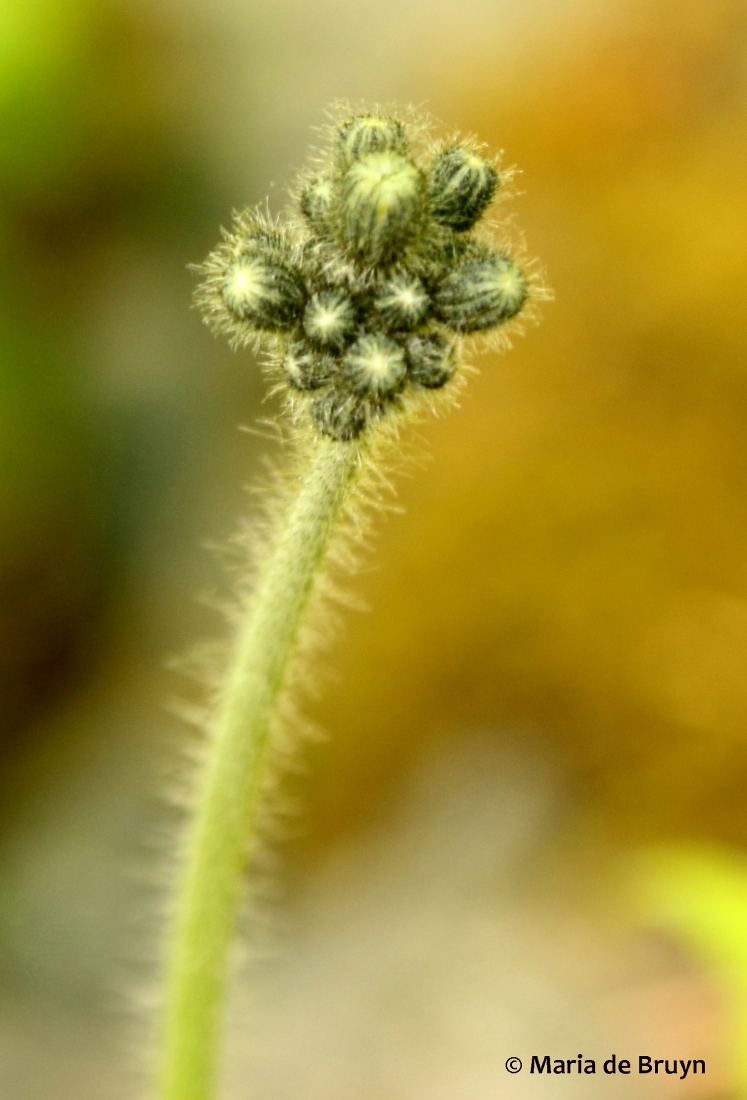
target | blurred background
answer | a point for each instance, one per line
(527, 829)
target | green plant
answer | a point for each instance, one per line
(362, 299)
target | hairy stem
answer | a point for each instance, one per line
(222, 834)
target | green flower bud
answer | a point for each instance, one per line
(262, 239)
(402, 302)
(448, 251)
(480, 294)
(340, 415)
(375, 366)
(366, 134)
(264, 292)
(316, 202)
(330, 318)
(381, 207)
(431, 360)
(462, 185)
(306, 368)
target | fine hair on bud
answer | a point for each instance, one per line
(329, 318)
(340, 415)
(382, 200)
(365, 134)
(480, 294)
(316, 202)
(461, 187)
(262, 291)
(305, 368)
(375, 365)
(264, 240)
(402, 301)
(431, 360)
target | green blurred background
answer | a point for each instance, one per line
(568, 577)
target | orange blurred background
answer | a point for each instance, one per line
(559, 616)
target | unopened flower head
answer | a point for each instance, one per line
(384, 264)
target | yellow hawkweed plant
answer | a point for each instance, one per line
(364, 298)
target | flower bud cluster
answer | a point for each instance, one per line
(380, 272)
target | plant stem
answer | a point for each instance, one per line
(223, 832)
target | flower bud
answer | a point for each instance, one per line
(381, 206)
(316, 202)
(375, 365)
(262, 238)
(480, 294)
(431, 360)
(367, 134)
(306, 368)
(462, 185)
(329, 318)
(264, 292)
(402, 302)
(340, 415)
